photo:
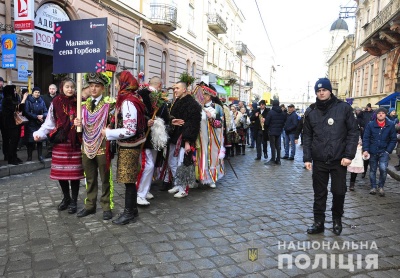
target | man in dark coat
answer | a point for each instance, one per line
(274, 123)
(379, 140)
(10, 105)
(330, 143)
(2, 129)
(366, 116)
(290, 127)
(48, 98)
(258, 117)
(185, 117)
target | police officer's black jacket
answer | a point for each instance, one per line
(330, 132)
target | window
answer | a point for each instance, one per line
(371, 79)
(382, 81)
(354, 93)
(141, 58)
(193, 69)
(209, 56)
(164, 68)
(191, 19)
(188, 66)
(362, 82)
(213, 53)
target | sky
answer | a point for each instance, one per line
(298, 33)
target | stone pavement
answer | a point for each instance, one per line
(207, 234)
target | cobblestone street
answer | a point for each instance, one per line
(207, 234)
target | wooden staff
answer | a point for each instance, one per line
(79, 99)
(148, 130)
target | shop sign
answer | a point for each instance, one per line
(43, 39)
(24, 14)
(9, 50)
(111, 67)
(45, 18)
(80, 46)
(23, 70)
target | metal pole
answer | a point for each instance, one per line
(8, 23)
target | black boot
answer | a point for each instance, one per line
(352, 186)
(64, 203)
(316, 228)
(130, 211)
(29, 148)
(243, 149)
(67, 198)
(39, 152)
(238, 149)
(337, 226)
(73, 206)
(126, 217)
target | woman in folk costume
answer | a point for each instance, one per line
(128, 128)
(210, 150)
(66, 164)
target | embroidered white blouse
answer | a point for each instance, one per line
(129, 121)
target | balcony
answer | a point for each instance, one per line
(230, 77)
(382, 33)
(216, 24)
(241, 48)
(163, 17)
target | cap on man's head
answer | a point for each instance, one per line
(391, 110)
(262, 102)
(36, 89)
(1, 79)
(323, 83)
(97, 78)
(381, 109)
(291, 105)
(275, 102)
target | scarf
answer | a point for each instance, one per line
(64, 113)
(127, 91)
(381, 124)
(325, 104)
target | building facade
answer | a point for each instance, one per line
(376, 57)
(339, 68)
(148, 37)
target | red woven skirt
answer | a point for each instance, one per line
(66, 163)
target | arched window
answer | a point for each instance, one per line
(164, 68)
(193, 69)
(187, 66)
(141, 58)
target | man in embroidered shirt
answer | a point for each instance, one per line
(95, 117)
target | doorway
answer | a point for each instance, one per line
(43, 68)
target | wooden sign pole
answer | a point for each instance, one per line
(79, 99)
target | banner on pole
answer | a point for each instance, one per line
(23, 70)
(9, 50)
(80, 46)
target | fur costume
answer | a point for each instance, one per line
(187, 109)
(159, 134)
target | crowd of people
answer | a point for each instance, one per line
(184, 143)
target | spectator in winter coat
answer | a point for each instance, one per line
(274, 124)
(36, 112)
(393, 116)
(378, 142)
(290, 127)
